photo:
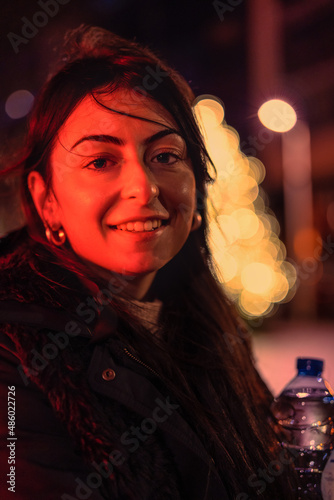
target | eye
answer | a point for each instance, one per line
(101, 163)
(166, 158)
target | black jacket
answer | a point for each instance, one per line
(151, 432)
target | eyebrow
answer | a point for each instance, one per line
(119, 142)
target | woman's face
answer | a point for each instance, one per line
(124, 188)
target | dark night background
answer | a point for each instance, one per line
(244, 52)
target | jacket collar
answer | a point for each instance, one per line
(138, 393)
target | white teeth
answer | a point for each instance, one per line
(148, 225)
(140, 226)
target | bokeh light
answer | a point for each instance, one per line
(243, 232)
(19, 103)
(210, 110)
(277, 115)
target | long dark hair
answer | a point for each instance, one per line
(202, 342)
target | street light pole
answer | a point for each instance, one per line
(280, 117)
(298, 202)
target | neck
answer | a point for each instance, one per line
(133, 287)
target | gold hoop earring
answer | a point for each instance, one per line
(155, 190)
(197, 221)
(57, 237)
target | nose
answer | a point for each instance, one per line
(138, 182)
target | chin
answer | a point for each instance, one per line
(141, 267)
(139, 271)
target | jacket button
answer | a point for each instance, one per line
(108, 374)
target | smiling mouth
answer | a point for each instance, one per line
(141, 226)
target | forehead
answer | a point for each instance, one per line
(95, 117)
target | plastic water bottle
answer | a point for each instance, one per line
(305, 414)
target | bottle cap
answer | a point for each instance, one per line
(312, 367)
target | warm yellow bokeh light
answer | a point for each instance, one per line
(229, 227)
(257, 168)
(229, 266)
(257, 278)
(243, 190)
(277, 115)
(253, 305)
(243, 235)
(247, 221)
(209, 110)
(281, 288)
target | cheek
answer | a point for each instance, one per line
(183, 194)
(78, 198)
(62, 170)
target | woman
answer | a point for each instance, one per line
(113, 323)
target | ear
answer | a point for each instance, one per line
(45, 203)
(197, 221)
